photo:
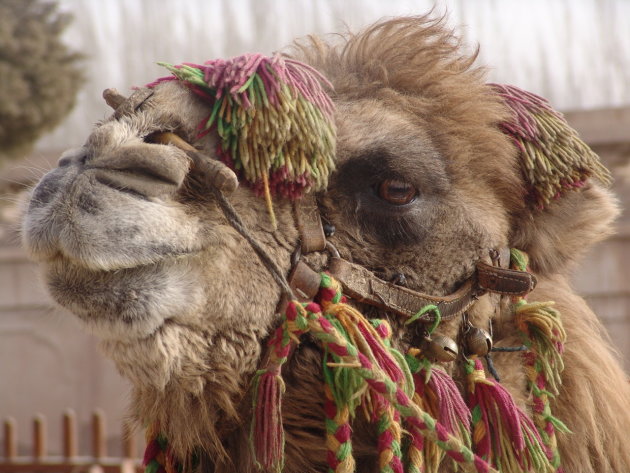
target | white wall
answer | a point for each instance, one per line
(575, 52)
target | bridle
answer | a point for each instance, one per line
(365, 287)
(491, 274)
(359, 284)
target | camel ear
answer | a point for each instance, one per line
(567, 206)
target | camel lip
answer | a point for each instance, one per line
(125, 303)
(61, 257)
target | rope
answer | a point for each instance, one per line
(365, 368)
(233, 219)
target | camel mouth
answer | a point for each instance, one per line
(125, 303)
(100, 265)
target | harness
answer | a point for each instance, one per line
(358, 283)
(303, 285)
(530, 445)
(363, 286)
(265, 96)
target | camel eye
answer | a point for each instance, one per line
(396, 192)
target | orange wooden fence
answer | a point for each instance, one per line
(70, 461)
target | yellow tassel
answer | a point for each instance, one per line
(269, 202)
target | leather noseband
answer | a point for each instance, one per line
(363, 286)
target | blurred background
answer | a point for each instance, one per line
(574, 52)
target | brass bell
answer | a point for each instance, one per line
(441, 348)
(477, 342)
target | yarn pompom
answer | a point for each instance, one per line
(554, 159)
(273, 117)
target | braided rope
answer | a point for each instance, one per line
(416, 460)
(419, 421)
(361, 368)
(338, 435)
(358, 372)
(388, 423)
(544, 336)
(389, 434)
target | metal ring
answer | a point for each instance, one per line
(297, 254)
(332, 249)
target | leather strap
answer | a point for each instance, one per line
(509, 282)
(309, 224)
(304, 281)
(363, 286)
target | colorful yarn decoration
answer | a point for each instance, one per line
(502, 433)
(338, 435)
(436, 393)
(158, 457)
(273, 117)
(389, 429)
(349, 390)
(267, 434)
(389, 433)
(544, 336)
(553, 157)
(364, 366)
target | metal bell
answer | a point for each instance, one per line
(441, 348)
(477, 342)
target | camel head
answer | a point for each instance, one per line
(427, 179)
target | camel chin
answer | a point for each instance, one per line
(129, 303)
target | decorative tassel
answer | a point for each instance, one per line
(437, 394)
(267, 433)
(273, 117)
(158, 457)
(380, 383)
(360, 367)
(553, 157)
(502, 432)
(544, 336)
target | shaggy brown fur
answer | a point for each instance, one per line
(183, 304)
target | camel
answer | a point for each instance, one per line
(179, 268)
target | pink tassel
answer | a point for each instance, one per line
(437, 393)
(452, 411)
(267, 432)
(502, 432)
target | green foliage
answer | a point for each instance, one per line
(39, 75)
